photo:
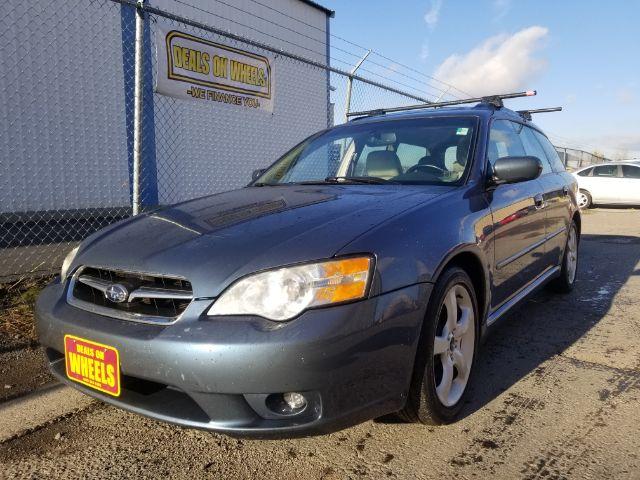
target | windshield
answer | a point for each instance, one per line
(419, 151)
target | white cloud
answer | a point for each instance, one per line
(424, 50)
(617, 146)
(501, 7)
(625, 95)
(500, 64)
(433, 14)
(622, 142)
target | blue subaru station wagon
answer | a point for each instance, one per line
(353, 278)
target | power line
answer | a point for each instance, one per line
(388, 68)
(251, 28)
(364, 48)
(270, 48)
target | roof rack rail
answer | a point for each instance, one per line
(495, 100)
(526, 114)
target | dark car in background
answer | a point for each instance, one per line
(353, 278)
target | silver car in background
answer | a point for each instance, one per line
(609, 184)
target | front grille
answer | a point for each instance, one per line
(144, 298)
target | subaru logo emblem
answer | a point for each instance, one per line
(117, 293)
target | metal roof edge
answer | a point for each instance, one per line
(326, 10)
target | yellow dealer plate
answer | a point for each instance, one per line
(92, 364)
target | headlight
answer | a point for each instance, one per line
(285, 293)
(67, 263)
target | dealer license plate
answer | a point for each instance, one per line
(92, 364)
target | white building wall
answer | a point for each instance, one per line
(62, 131)
(305, 36)
(63, 137)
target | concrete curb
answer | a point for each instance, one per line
(39, 408)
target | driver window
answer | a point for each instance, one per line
(504, 141)
(533, 148)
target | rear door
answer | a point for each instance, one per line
(604, 184)
(518, 220)
(630, 184)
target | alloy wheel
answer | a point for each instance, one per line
(583, 200)
(454, 345)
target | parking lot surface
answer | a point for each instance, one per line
(556, 394)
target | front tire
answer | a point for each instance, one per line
(584, 199)
(567, 279)
(446, 351)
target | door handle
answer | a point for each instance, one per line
(539, 201)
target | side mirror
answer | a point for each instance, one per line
(516, 169)
(257, 174)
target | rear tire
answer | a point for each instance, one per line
(446, 351)
(569, 271)
(584, 199)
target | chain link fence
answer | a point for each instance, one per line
(574, 159)
(50, 196)
(86, 140)
(79, 150)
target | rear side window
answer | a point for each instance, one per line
(552, 153)
(605, 171)
(532, 147)
(504, 141)
(629, 171)
(585, 172)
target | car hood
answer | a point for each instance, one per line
(214, 240)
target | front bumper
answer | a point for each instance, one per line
(352, 362)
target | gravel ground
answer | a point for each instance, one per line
(556, 394)
(22, 371)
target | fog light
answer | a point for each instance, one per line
(295, 400)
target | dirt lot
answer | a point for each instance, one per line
(556, 395)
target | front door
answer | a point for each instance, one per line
(519, 221)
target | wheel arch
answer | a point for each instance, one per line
(577, 217)
(471, 260)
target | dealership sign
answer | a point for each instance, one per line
(196, 68)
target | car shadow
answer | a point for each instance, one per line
(547, 323)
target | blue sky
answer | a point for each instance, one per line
(582, 55)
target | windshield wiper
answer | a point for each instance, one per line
(263, 184)
(369, 180)
(332, 180)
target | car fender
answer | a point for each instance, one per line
(461, 251)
